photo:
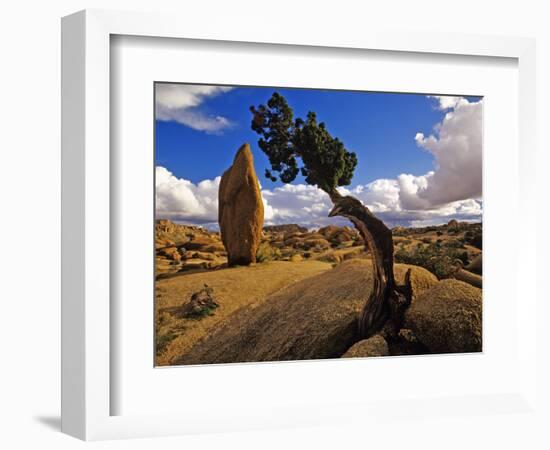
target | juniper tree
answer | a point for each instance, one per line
(296, 146)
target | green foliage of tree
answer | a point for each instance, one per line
(296, 146)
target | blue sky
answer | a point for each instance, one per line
(198, 129)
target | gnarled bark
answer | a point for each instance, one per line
(387, 301)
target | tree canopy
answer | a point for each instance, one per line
(296, 146)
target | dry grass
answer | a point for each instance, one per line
(234, 288)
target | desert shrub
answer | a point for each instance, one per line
(201, 304)
(474, 238)
(267, 252)
(162, 341)
(453, 243)
(203, 311)
(441, 261)
(439, 233)
(426, 240)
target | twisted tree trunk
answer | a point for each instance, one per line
(387, 301)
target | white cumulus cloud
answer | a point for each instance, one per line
(452, 190)
(180, 103)
(456, 146)
(181, 200)
(446, 101)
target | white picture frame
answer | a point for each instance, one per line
(87, 387)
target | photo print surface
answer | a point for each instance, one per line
(299, 224)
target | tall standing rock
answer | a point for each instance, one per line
(240, 209)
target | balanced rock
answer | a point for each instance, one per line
(447, 317)
(240, 210)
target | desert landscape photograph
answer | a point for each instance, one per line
(303, 224)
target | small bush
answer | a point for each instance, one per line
(454, 243)
(163, 341)
(266, 252)
(474, 238)
(201, 304)
(203, 311)
(441, 261)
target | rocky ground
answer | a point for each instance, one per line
(441, 249)
(302, 297)
(183, 248)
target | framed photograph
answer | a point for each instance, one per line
(256, 226)
(300, 262)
